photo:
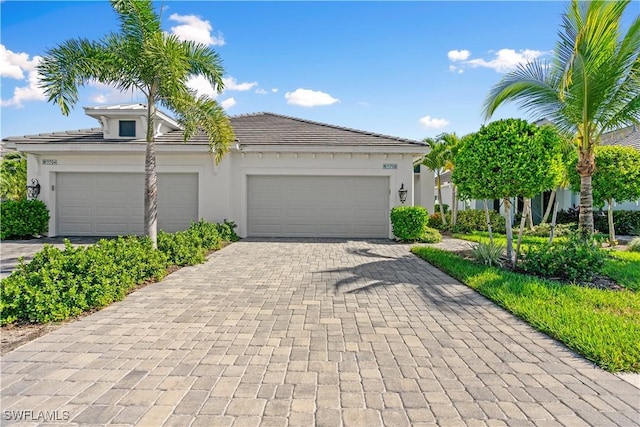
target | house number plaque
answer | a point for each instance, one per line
(389, 166)
(49, 161)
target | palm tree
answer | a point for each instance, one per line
(452, 146)
(143, 57)
(436, 160)
(591, 86)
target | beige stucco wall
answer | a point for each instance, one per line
(222, 189)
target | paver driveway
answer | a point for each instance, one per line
(331, 333)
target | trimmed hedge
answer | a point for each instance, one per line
(471, 220)
(23, 219)
(411, 224)
(58, 284)
(625, 222)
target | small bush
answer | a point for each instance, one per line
(574, 259)
(624, 222)
(182, 248)
(435, 221)
(208, 234)
(22, 219)
(487, 252)
(430, 235)
(543, 230)
(409, 222)
(227, 231)
(634, 245)
(471, 220)
(436, 208)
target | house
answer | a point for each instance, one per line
(283, 176)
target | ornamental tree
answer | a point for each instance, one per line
(505, 159)
(617, 178)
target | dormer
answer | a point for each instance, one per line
(128, 122)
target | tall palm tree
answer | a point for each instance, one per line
(436, 160)
(143, 57)
(591, 86)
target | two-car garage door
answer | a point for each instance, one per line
(109, 204)
(318, 206)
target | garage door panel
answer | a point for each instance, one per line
(104, 204)
(318, 206)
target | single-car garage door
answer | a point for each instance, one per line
(110, 204)
(318, 206)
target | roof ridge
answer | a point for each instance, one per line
(378, 135)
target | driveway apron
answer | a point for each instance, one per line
(307, 332)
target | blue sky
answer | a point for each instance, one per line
(407, 69)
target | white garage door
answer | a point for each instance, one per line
(318, 206)
(111, 204)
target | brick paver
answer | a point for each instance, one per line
(324, 332)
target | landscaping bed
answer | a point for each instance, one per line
(600, 319)
(62, 285)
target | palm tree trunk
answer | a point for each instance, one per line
(553, 221)
(525, 213)
(586, 167)
(151, 179)
(612, 231)
(507, 215)
(440, 203)
(488, 218)
(549, 205)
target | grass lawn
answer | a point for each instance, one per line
(621, 266)
(602, 325)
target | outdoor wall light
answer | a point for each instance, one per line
(33, 190)
(402, 193)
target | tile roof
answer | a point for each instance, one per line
(259, 129)
(276, 129)
(626, 137)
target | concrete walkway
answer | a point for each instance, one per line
(300, 333)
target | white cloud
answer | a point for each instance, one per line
(364, 104)
(458, 55)
(230, 83)
(261, 91)
(433, 123)
(503, 60)
(507, 59)
(201, 86)
(110, 95)
(274, 90)
(15, 65)
(195, 29)
(309, 98)
(228, 103)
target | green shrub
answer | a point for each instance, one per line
(488, 252)
(409, 222)
(624, 222)
(634, 245)
(435, 221)
(543, 230)
(227, 232)
(208, 234)
(182, 248)
(430, 235)
(23, 219)
(574, 259)
(436, 208)
(58, 284)
(471, 220)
